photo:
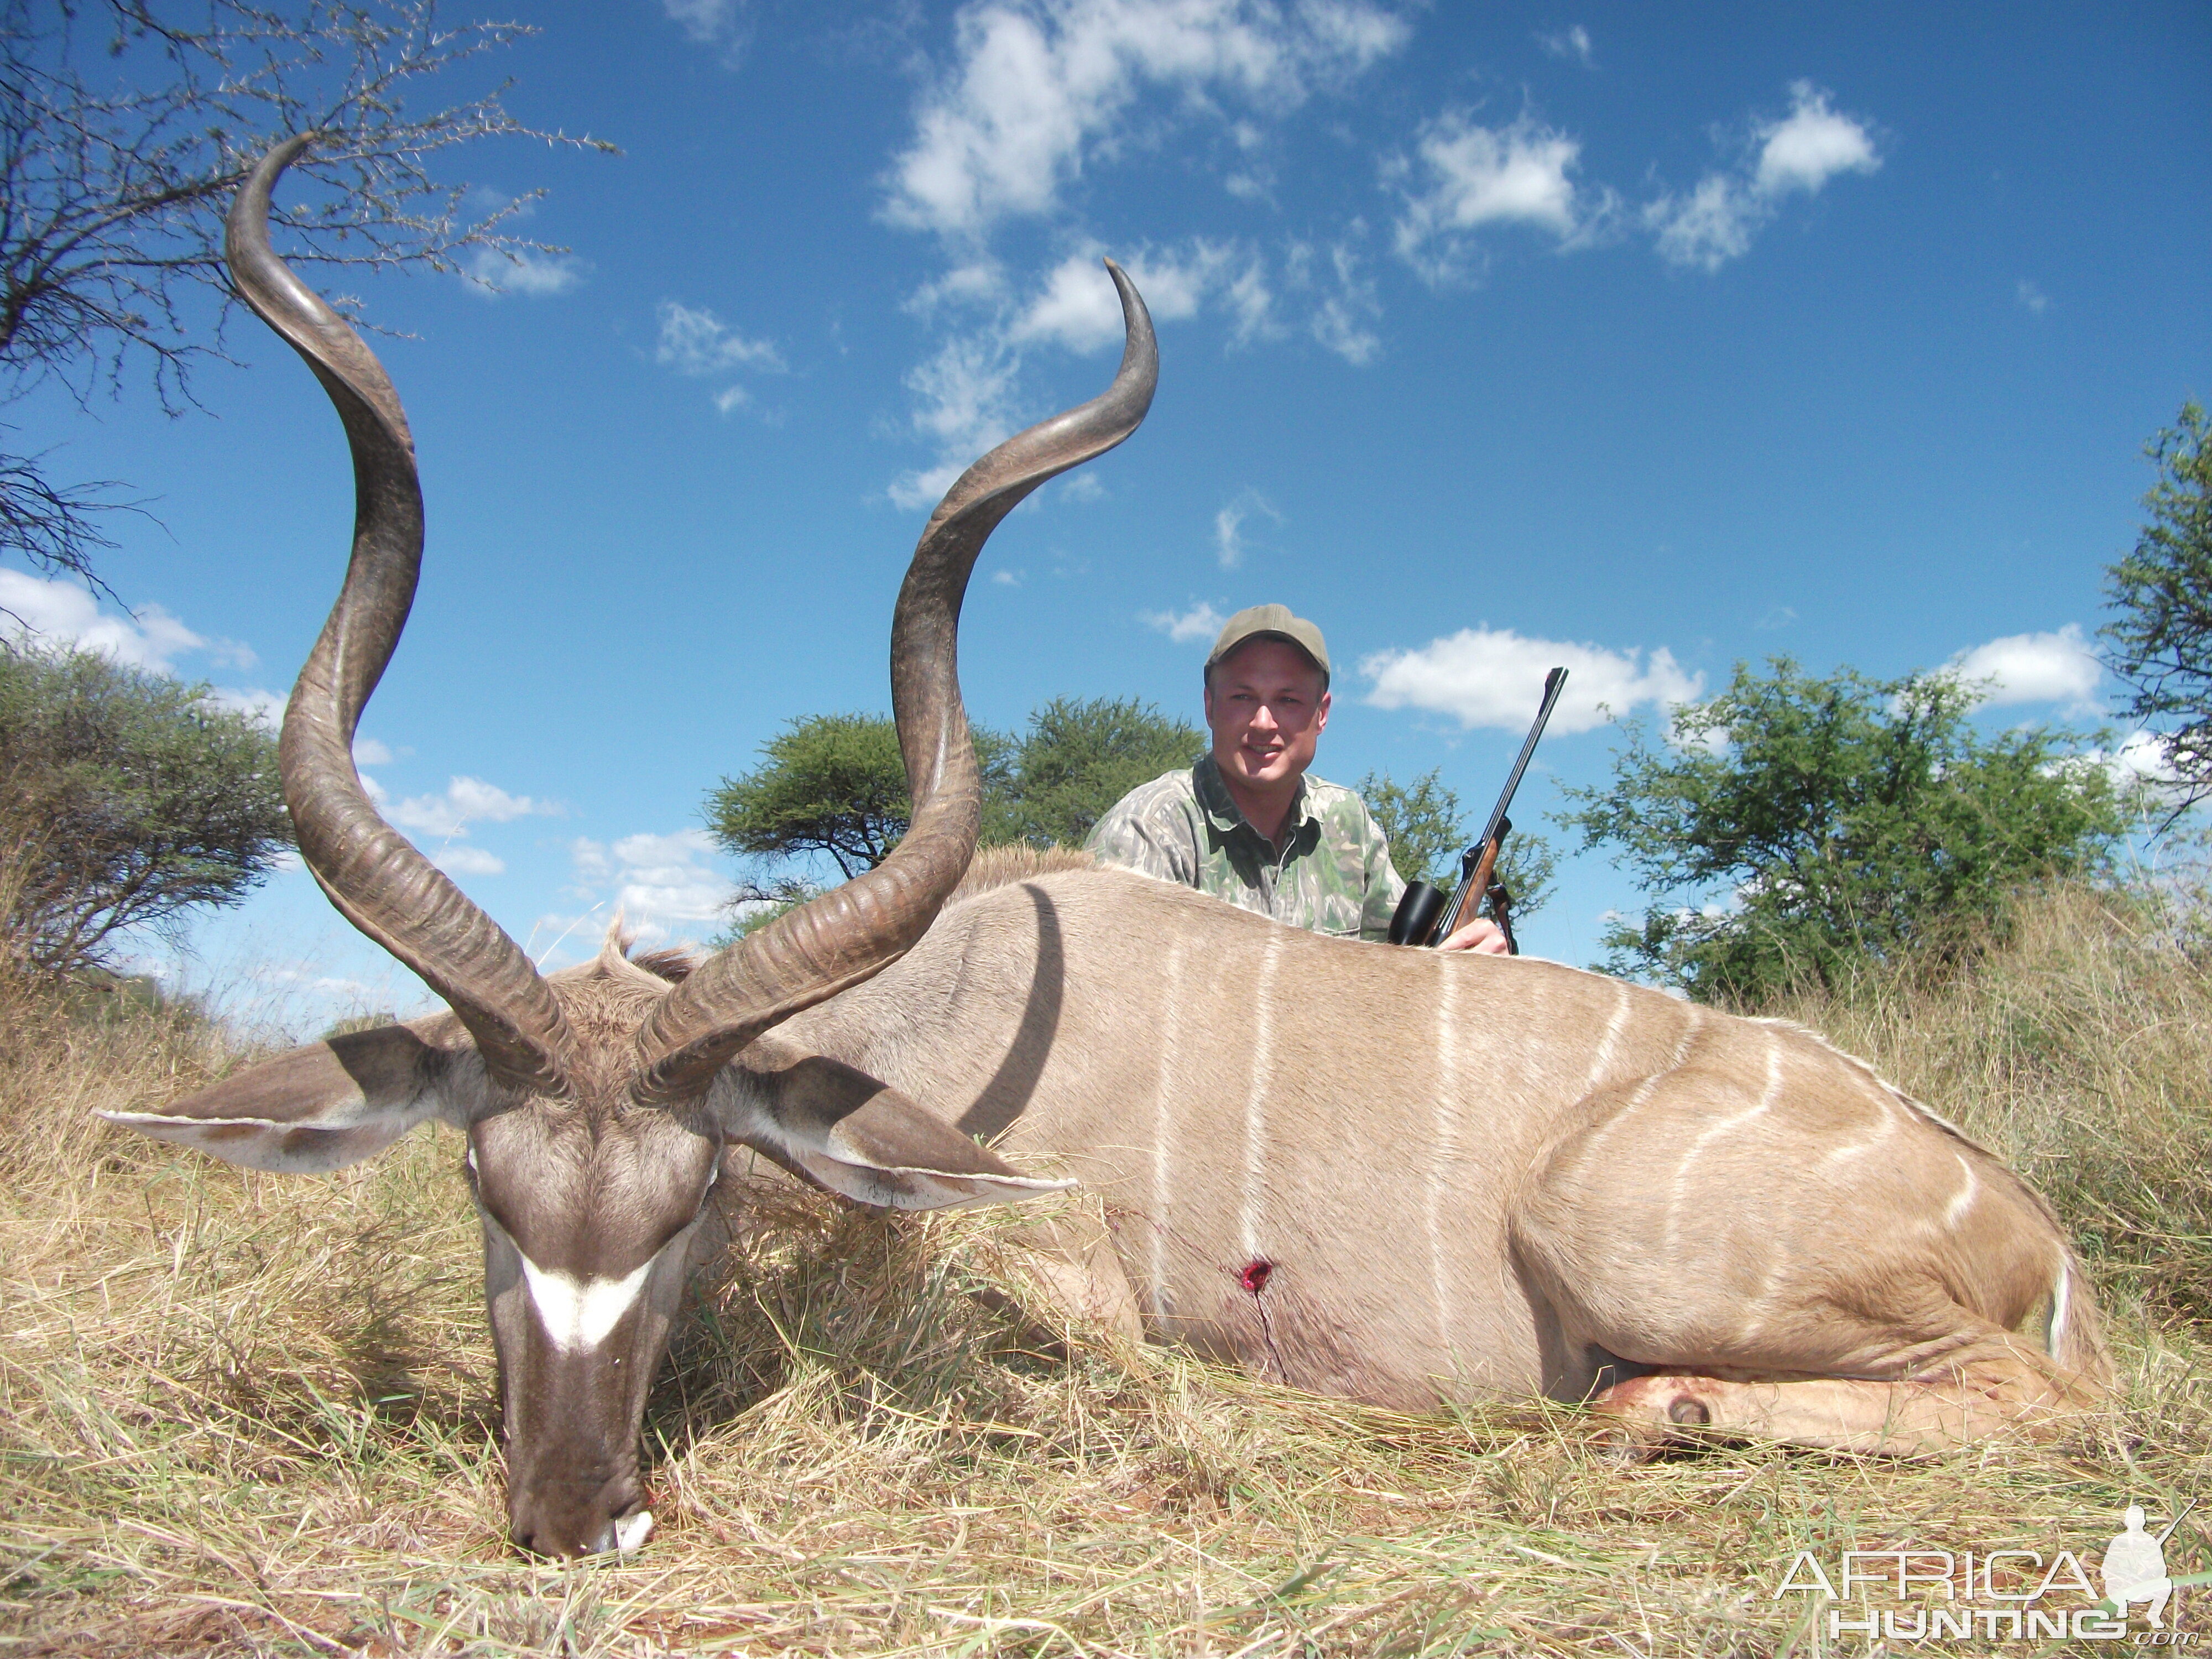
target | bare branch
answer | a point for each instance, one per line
(125, 126)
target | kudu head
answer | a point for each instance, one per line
(597, 1103)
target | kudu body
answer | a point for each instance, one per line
(1404, 1174)
(1307, 1158)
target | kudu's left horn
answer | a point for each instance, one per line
(856, 931)
(372, 873)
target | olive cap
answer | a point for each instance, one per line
(1277, 621)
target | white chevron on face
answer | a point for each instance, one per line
(579, 1313)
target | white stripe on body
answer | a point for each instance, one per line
(1642, 1092)
(579, 1313)
(1256, 1101)
(1765, 1102)
(1955, 1211)
(1885, 1127)
(1164, 1124)
(2062, 1303)
(1613, 1027)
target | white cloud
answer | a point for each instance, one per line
(1347, 306)
(1229, 543)
(1572, 44)
(1495, 678)
(368, 752)
(982, 281)
(2142, 765)
(2033, 298)
(2057, 667)
(590, 858)
(1810, 145)
(466, 801)
(1471, 176)
(2143, 758)
(966, 393)
(1802, 151)
(1036, 91)
(1711, 227)
(1079, 309)
(1040, 87)
(62, 613)
(706, 20)
(1200, 622)
(695, 341)
(659, 882)
(1252, 304)
(466, 860)
(264, 708)
(522, 271)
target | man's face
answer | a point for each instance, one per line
(1266, 708)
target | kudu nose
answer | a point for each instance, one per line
(617, 1537)
(570, 1523)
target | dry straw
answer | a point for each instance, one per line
(253, 1414)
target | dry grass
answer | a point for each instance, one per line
(250, 1414)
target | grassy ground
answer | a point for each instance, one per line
(251, 1414)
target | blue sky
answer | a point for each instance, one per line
(1490, 337)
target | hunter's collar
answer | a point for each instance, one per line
(1222, 811)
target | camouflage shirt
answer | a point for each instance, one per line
(1333, 876)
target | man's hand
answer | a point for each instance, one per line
(1479, 934)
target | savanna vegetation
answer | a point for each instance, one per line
(1794, 827)
(253, 1414)
(128, 799)
(833, 786)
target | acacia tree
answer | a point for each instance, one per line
(126, 799)
(1428, 832)
(1076, 760)
(827, 784)
(1792, 827)
(833, 786)
(2162, 640)
(126, 126)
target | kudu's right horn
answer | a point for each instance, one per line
(844, 936)
(375, 875)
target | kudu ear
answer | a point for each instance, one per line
(860, 1137)
(317, 1109)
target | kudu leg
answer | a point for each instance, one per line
(1817, 1264)
(1977, 1401)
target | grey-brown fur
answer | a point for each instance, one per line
(1590, 1220)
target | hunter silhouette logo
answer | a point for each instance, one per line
(2134, 1568)
(2003, 1594)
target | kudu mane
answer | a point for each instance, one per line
(992, 867)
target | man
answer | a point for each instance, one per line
(1245, 823)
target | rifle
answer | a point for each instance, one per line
(2176, 1521)
(1424, 915)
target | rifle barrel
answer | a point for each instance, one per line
(1554, 683)
(1472, 860)
(2176, 1521)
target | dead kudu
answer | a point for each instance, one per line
(1395, 1175)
